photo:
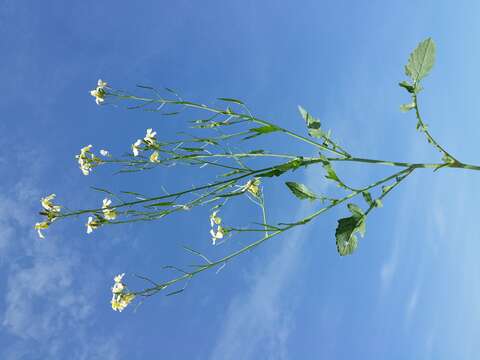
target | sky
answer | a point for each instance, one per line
(411, 289)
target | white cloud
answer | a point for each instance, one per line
(47, 305)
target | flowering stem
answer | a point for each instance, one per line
(212, 264)
(230, 113)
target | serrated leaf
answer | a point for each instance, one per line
(345, 235)
(407, 107)
(421, 60)
(300, 191)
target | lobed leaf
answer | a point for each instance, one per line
(347, 228)
(345, 235)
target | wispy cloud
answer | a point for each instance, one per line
(412, 303)
(47, 306)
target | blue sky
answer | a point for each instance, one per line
(410, 291)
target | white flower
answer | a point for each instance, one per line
(92, 224)
(108, 212)
(217, 231)
(104, 152)
(120, 301)
(136, 147)
(120, 297)
(85, 150)
(253, 187)
(86, 168)
(86, 163)
(214, 219)
(41, 226)
(101, 84)
(217, 234)
(99, 92)
(48, 205)
(150, 137)
(106, 203)
(119, 278)
(154, 157)
(118, 288)
(99, 95)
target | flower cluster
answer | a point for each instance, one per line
(120, 296)
(99, 92)
(253, 187)
(87, 159)
(109, 213)
(49, 210)
(150, 142)
(217, 231)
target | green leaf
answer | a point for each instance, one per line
(231, 173)
(133, 193)
(160, 204)
(175, 292)
(101, 190)
(407, 107)
(331, 174)
(192, 149)
(355, 210)
(387, 188)
(367, 197)
(345, 235)
(347, 228)
(280, 169)
(410, 88)
(262, 130)
(313, 124)
(421, 60)
(301, 191)
(235, 101)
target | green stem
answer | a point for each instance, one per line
(159, 287)
(229, 113)
(424, 129)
